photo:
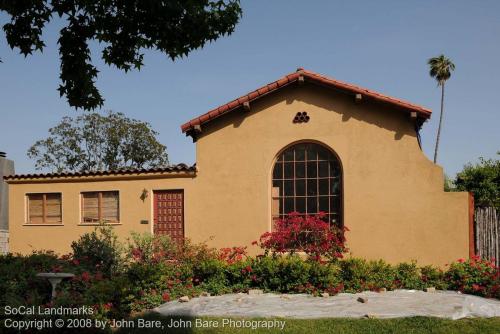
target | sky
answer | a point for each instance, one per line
(381, 45)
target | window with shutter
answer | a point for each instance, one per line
(100, 206)
(44, 208)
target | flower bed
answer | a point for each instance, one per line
(120, 280)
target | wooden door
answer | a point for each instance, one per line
(169, 214)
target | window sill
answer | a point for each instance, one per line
(27, 224)
(98, 224)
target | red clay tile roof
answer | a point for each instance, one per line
(180, 168)
(308, 76)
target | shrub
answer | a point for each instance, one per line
(240, 275)
(407, 276)
(359, 275)
(210, 270)
(294, 274)
(149, 248)
(325, 277)
(232, 254)
(433, 277)
(99, 251)
(19, 284)
(474, 276)
(191, 254)
(308, 234)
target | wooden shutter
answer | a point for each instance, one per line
(44, 208)
(90, 207)
(110, 207)
(100, 206)
(35, 208)
(53, 208)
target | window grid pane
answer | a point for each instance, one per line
(308, 178)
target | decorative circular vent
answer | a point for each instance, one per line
(301, 117)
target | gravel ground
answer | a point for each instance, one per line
(391, 304)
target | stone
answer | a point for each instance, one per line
(430, 289)
(254, 292)
(205, 294)
(362, 300)
(325, 295)
(382, 290)
(370, 316)
(184, 299)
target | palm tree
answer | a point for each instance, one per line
(440, 68)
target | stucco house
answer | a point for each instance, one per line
(305, 143)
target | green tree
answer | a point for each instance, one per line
(92, 141)
(123, 28)
(483, 180)
(440, 68)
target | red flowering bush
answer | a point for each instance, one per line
(475, 276)
(308, 234)
(231, 255)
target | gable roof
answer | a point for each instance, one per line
(308, 76)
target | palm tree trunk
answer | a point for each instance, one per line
(440, 122)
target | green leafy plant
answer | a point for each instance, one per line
(123, 28)
(483, 180)
(149, 248)
(475, 276)
(99, 250)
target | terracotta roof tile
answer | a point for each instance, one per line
(180, 168)
(310, 76)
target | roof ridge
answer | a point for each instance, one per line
(292, 77)
(180, 167)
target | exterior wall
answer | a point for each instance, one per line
(6, 168)
(26, 238)
(394, 204)
(4, 241)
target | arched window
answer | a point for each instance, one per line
(307, 178)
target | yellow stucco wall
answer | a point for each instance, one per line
(25, 238)
(394, 204)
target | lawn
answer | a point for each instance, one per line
(400, 325)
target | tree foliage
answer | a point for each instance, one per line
(92, 141)
(123, 28)
(440, 68)
(483, 180)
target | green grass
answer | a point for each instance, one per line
(318, 326)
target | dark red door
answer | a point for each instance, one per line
(169, 214)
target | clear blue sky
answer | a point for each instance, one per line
(382, 45)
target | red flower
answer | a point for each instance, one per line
(85, 276)
(165, 297)
(460, 260)
(309, 234)
(75, 262)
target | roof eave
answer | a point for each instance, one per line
(422, 112)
